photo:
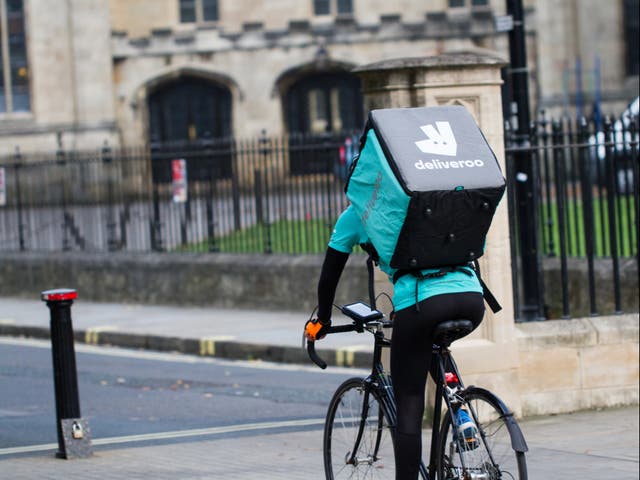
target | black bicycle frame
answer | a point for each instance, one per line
(387, 397)
(376, 380)
(443, 356)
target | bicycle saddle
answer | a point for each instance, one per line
(447, 332)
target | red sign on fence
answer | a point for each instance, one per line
(179, 177)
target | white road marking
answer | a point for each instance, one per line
(174, 434)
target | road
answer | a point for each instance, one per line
(129, 393)
(194, 418)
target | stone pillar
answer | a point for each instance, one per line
(489, 356)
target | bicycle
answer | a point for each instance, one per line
(358, 439)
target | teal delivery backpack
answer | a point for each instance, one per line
(425, 185)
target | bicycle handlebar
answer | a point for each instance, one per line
(315, 358)
(352, 327)
(311, 346)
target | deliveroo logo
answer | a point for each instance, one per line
(440, 140)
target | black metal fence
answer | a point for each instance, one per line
(283, 194)
(223, 196)
(586, 202)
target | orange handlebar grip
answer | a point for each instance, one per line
(312, 329)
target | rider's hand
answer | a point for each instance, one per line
(316, 329)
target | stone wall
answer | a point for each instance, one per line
(568, 365)
(275, 282)
(578, 295)
(550, 367)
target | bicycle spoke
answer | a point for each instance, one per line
(374, 456)
(491, 457)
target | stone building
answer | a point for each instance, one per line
(77, 73)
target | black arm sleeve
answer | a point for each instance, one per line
(334, 262)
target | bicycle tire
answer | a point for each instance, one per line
(493, 456)
(375, 456)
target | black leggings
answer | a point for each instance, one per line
(411, 350)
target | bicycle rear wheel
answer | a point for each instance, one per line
(492, 457)
(356, 411)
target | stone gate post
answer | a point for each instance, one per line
(488, 357)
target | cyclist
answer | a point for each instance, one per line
(421, 301)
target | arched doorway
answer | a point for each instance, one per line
(322, 107)
(324, 103)
(188, 116)
(189, 109)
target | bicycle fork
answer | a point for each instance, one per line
(352, 458)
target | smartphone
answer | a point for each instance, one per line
(361, 312)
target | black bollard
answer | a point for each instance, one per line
(73, 431)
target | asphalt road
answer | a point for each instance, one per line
(167, 416)
(125, 393)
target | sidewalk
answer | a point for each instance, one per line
(594, 445)
(224, 333)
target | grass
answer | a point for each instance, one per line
(311, 236)
(626, 234)
(283, 236)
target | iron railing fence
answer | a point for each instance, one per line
(586, 198)
(283, 194)
(269, 194)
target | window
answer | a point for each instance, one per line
(326, 108)
(456, 3)
(324, 103)
(328, 7)
(198, 11)
(321, 7)
(14, 69)
(345, 6)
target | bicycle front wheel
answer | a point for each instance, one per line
(491, 455)
(358, 436)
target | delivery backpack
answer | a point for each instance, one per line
(425, 185)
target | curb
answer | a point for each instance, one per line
(204, 347)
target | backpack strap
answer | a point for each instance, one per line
(440, 273)
(421, 276)
(372, 292)
(371, 250)
(486, 293)
(491, 300)
(372, 259)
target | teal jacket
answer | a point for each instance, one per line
(349, 233)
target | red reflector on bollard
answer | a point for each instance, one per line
(59, 295)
